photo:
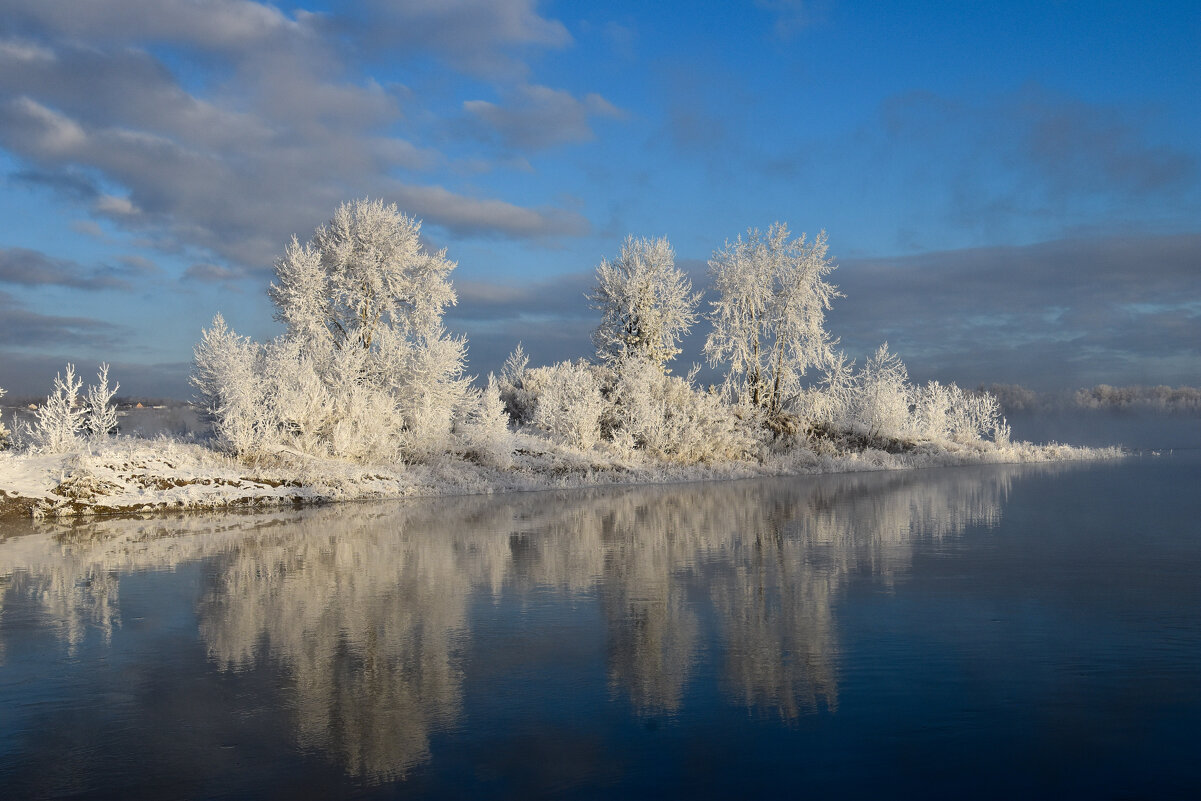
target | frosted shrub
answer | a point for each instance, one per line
(4, 435)
(982, 417)
(833, 401)
(948, 412)
(484, 426)
(666, 417)
(568, 402)
(230, 376)
(931, 414)
(101, 418)
(518, 400)
(61, 418)
(881, 396)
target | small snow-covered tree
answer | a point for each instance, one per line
(518, 400)
(768, 319)
(646, 303)
(484, 426)
(568, 402)
(101, 418)
(882, 394)
(3, 431)
(228, 373)
(60, 419)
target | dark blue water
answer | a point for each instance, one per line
(999, 632)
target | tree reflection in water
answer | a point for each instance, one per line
(367, 607)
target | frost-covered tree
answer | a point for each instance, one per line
(363, 270)
(768, 319)
(365, 368)
(60, 419)
(519, 401)
(3, 431)
(646, 303)
(101, 418)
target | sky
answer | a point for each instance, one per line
(1012, 191)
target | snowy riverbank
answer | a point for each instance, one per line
(130, 475)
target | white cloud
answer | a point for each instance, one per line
(534, 117)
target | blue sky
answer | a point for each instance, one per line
(1012, 191)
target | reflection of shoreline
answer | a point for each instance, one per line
(366, 608)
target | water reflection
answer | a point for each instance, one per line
(367, 608)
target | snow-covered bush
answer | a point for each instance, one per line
(667, 417)
(484, 426)
(948, 412)
(768, 320)
(567, 402)
(101, 418)
(646, 304)
(832, 402)
(881, 396)
(230, 377)
(519, 402)
(4, 435)
(60, 419)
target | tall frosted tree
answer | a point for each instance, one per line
(769, 316)
(366, 368)
(363, 270)
(646, 303)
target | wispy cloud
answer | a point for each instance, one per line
(1032, 154)
(535, 117)
(18, 324)
(32, 268)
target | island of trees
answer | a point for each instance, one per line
(365, 373)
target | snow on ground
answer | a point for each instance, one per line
(133, 475)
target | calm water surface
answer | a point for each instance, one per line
(995, 632)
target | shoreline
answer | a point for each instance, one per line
(129, 476)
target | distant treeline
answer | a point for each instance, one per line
(1159, 399)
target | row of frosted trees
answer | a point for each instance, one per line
(366, 370)
(69, 414)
